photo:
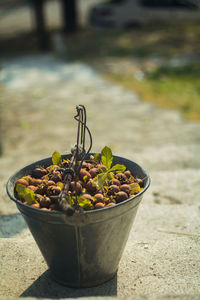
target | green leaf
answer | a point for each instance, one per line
(29, 196)
(101, 179)
(106, 157)
(70, 200)
(26, 194)
(59, 184)
(102, 170)
(85, 203)
(56, 158)
(135, 188)
(110, 175)
(85, 178)
(20, 188)
(118, 168)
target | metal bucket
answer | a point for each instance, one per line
(82, 250)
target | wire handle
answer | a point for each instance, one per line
(78, 155)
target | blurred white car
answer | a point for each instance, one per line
(126, 13)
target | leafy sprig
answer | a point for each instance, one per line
(105, 174)
(135, 188)
(56, 158)
(106, 157)
(26, 194)
(83, 202)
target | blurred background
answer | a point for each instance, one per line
(150, 47)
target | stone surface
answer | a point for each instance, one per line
(162, 253)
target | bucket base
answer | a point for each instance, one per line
(83, 284)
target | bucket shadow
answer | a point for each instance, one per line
(12, 224)
(45, 287)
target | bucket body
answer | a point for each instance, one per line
(81, 250)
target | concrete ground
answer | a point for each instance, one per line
(161, 257)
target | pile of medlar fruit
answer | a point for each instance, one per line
(96, 186)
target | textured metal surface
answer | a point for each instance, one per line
(85, 249)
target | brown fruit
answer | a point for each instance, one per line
(84, 175)
(115, 181)
(93, 172)
(101, 166)
(22, 181)
(106, 200)
(36, 205)
(77, 187)
(113, 189)
(45, 178)
(32, 188)
(91, 186)
(110, 204)
(52, 167)
(39, 197)
(53, 190)
(36, 181)
(127, 173)
(112, 201)
(140, 182)
(88, 197)
(121, 196)
(39, 172)
(50, 182)
(99, 205)
(121, 177)
(82, 183)
(125, 188)
(56, 176)
(99, 198)
(90, 166)
(29, 179)
(45, 202)
(84, 165)
(41, 189)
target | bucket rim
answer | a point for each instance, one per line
(10, 185)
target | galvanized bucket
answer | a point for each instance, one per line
(82, 250)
